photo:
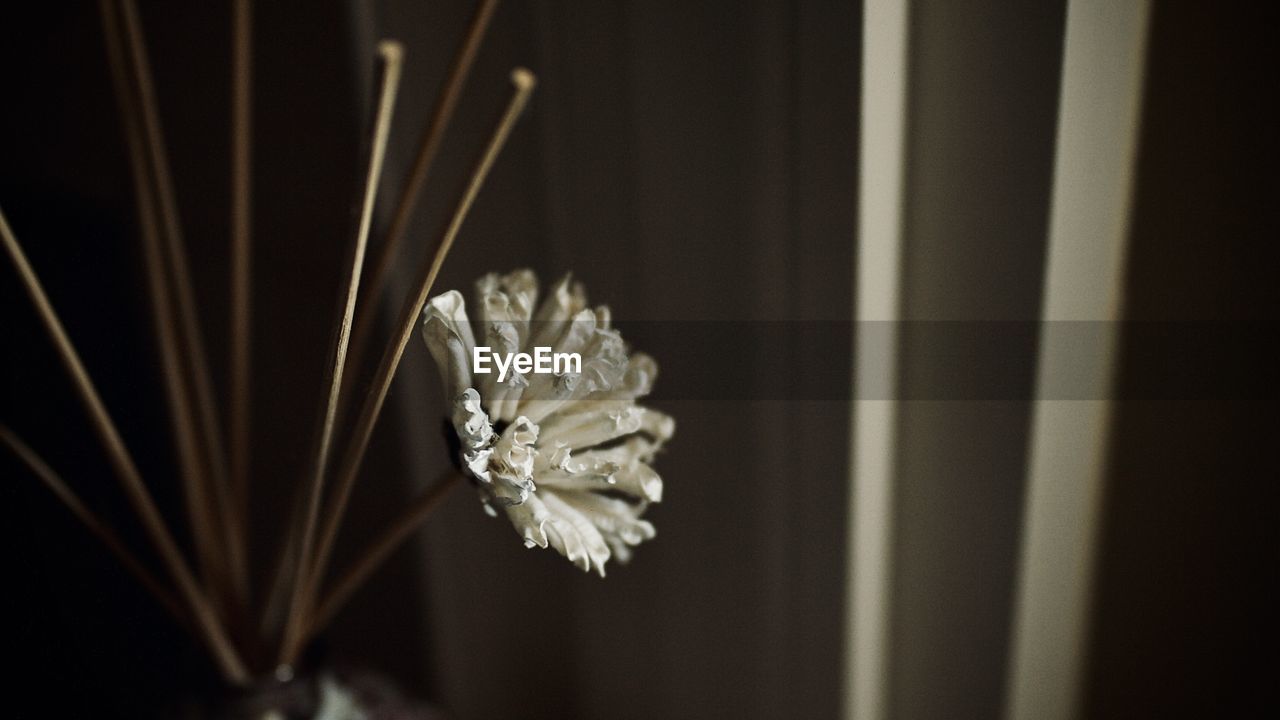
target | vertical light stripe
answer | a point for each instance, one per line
(1098, 118)
(879, 261)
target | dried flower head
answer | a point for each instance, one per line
(566, 455)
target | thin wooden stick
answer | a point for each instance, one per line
(92, 522)
(391, 54)
(164, 323)
(524, 83)
(377, 553)
(429, 145)
(210, 627)
(241, 274)
(194, 357)
(279, 586)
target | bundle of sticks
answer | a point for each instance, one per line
(252, 632)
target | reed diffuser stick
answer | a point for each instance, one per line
(524, 83)
(206, 620)
(241, 272)
(194, 356)
(177, 392)
(377, 553)
(391, 55)
(428, 146)
(92, 522)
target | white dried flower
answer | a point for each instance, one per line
(565, 455)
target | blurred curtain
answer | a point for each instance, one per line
(1065, 518)
(935, 544)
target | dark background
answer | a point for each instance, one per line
(691, 162)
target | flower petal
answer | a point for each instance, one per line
(597, 550)
(564, 537)
(501, 336)
(540, 403)
(584, 430)
(530, 519)
(637, 381)
(470, 421)
(565, 300)
(519, 292)
(657, 425)
(639, 480)
(515, 448)
(449, 339)
(614, 518)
